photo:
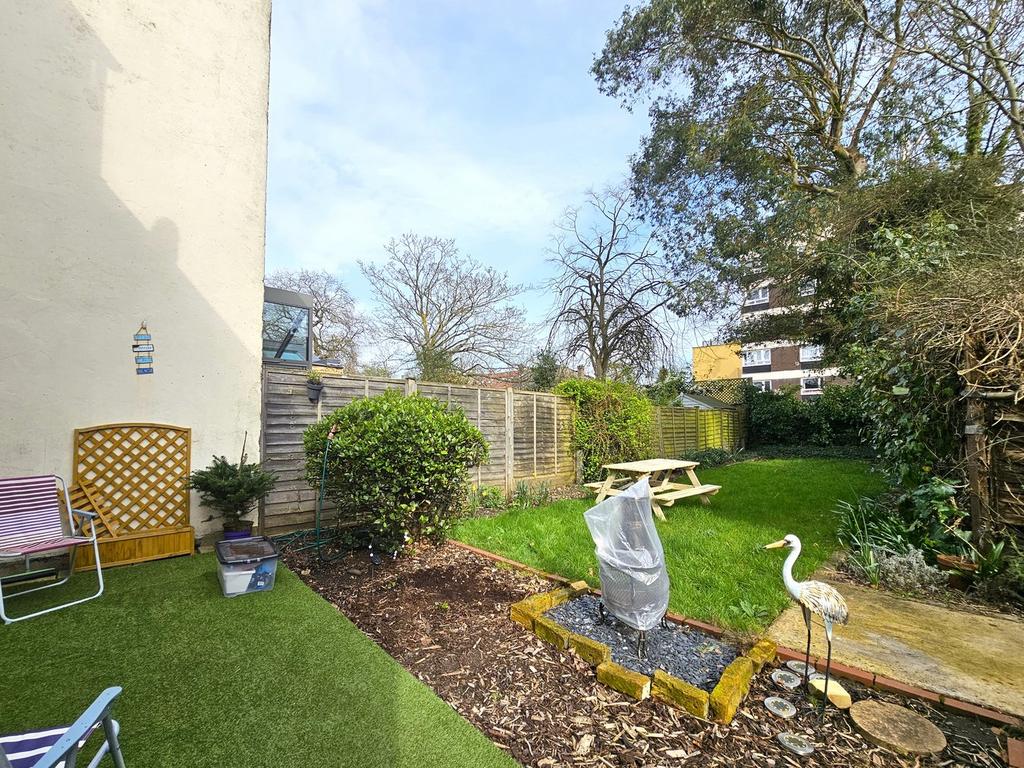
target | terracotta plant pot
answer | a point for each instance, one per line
(960, 570)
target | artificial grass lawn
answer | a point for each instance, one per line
(714, 554)
(269, 679)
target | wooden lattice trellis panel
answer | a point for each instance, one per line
(141, 473)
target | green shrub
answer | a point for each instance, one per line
(525, 495)
(612, 422)
(709, 457)
(403, 462)
(490, 497)
(232, 489)
(780, 417)
(925, 519)
(836, 416)
(811, 451)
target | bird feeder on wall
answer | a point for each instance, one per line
(142, 348)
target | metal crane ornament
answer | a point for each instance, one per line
(813, 597)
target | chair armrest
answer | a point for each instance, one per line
(84, 513)
(99, 709)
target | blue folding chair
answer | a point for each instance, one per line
(59, 747)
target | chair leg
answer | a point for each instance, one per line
(110, 729)
(71, 569)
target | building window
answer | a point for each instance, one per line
(762, 386)
(811, 353)
(757, 296)
(286, 316)
(810, 384)
(757, 357)
(809, 288)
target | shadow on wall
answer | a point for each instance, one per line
(80, 269)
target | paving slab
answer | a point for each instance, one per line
(975, 657)
(897, 728)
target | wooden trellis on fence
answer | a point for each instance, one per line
(135, 478)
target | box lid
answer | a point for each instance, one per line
(250, 550)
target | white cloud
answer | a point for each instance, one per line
(391, 117)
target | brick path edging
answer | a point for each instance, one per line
(862, 676)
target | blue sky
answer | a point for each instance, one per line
(457, 118)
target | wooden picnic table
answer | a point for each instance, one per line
(666, 487)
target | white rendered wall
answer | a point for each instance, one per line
(133, 141)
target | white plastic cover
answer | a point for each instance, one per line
(631, 561)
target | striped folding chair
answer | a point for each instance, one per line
(32, 525)
(59, 747)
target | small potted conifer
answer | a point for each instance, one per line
(233, 490)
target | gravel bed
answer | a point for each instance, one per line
(684, 652)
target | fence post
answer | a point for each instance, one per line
(479, 467)
(554, 415)
(534, 434)
(696, 420)
(410, 386)
(510, 441)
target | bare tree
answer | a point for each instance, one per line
(612, 286)
(337, 328)
(448, 311)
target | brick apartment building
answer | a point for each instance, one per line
(768, 365)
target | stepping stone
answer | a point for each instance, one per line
(838, 695)
(896, 728)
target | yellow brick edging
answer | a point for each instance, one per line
(721, 704)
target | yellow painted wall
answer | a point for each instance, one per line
(718, 361)
(133, 140)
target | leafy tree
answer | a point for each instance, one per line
(446, 310)
(919, 266)
(544, 371)
(976, 46)
(337, 327)
(757, 107)
(669, 385)
(611, 287)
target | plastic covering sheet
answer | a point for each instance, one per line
(631, 561)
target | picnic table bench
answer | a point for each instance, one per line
(666, 488)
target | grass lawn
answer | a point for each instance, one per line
(714, 553)
(274, 679)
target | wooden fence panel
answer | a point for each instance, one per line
(677, 431)
(528, 434)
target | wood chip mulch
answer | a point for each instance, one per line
(442, 612)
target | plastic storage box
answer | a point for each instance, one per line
(246, 565)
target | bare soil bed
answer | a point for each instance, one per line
(442, 612)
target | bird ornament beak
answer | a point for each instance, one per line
(776, 544)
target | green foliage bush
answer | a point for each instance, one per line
(401, 461)
(925, 519)
(612, 422)
(777, 418)
(811, 451)
(780, 417)
(709, 457)
(232, 489)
